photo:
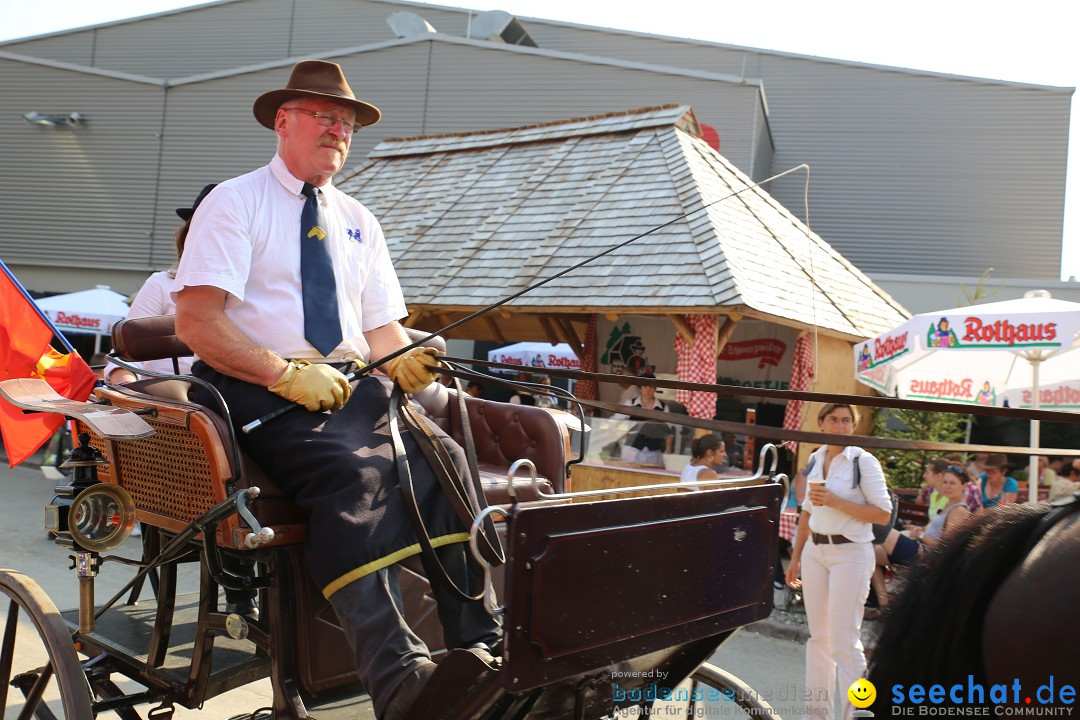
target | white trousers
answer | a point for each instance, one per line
(836, 580)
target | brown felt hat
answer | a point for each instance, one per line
(315, 79)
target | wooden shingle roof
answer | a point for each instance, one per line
(471, 218)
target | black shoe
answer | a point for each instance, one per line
(407, 691)
(246, 607)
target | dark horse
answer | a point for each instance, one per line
(996, 603)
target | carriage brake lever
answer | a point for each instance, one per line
(259, 535)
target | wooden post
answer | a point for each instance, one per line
(685, 330)
(495, 330)
(725, 332)
(549, 330)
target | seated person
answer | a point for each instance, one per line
(653, 439)
(522, 396)
(952, 486)
(281, 304)
(899, 549)
(929, 495)
(154, 299)
(722, 466)
(702, 454)
(996, 486)
(545, 400)
(734, 450)
(1047, 475)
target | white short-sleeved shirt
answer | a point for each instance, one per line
(245, 239)
(871, 490)
(155, 298)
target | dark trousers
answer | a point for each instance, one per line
(371, 612)
(340, 469)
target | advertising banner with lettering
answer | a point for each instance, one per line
(536, 355)
(758, 354)
(982, 354)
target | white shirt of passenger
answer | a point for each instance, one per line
(245, 239)
(154, 298)
(871, 490)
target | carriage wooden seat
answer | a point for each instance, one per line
(187, 466)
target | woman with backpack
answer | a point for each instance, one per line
(834, 556)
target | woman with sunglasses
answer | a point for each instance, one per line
(833, 553)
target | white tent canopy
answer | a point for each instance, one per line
(87, 311)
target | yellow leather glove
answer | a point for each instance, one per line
(316, 387)
(412, 371)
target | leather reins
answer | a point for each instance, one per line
(465, 494)
(775, 433)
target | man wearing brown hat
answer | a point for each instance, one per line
(286, 284)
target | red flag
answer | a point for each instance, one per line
(25, 353)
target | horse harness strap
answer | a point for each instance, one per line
(464, 496)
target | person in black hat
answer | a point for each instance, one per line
(285, 286)
(155, 298)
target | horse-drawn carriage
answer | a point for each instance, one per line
(606, 604)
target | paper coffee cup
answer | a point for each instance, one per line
(817, 483)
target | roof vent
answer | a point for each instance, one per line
(499, 26)
(407, 24)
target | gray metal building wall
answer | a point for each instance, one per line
(912, 172)
(79, 196)
(117, 211)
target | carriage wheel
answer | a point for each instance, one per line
(40, 674)
(707, 690)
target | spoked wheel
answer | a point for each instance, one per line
(708, 692)
(40, 674)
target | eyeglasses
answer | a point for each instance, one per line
(328, 121)
(957, 471)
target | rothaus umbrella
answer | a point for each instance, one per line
(1021, 351)
(92, 311)
(536, 355)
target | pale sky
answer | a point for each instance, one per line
(1032, 42)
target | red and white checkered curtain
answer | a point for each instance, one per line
(697, 363)
(802, 377)
(587, 389)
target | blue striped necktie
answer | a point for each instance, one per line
(322, 326)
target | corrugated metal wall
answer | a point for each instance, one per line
(911, 172)
(81, 196)
(224, 36)
(476, 87)
(173, 45)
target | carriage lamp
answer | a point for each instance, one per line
(102, 517)
(83, 462)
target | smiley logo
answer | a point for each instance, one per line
(862, 693)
